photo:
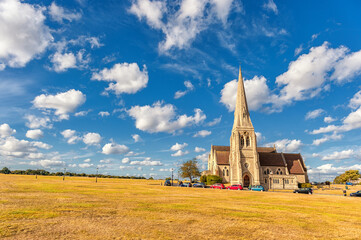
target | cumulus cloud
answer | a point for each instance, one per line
(104, 114)
(85, 165)
(183, 25)
(37, 122)
(125, 160)
(329, 171)
(123, 78)
(146, 162)
(329, 119)
(189, 87)
(178, 146)
(34, 134)
(64, 61)
(180, 153)
(71, 136)
(355, 101)
(6, 130)
(24, 36)
(260, 137)
(202, 133)
(59, 14)
(286, 145)
(92, 139)
(345, 154)
(63, 103)
(136, 138)
(81, 113)
(347, 68)
(13, 147)
(113, 148)
(87, 160)
(203, 157)
(314, 114)
(271, 6)
(214, 122)
(257, 93)
(326, 138)
(199, 149)
(162, 118)
(48, 163)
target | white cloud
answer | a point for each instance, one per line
(214, 122)
(329, 119)
(36, 122)
(271, 6)
(203, 157)
(202, 133)
(199, 149)
(63, 103)
(71, 136)
(87, 160)
(345, 154)
(24, 35)
(125, 160)
(347, 68)
(104, 114)
(81, 113)
(179, 153)
(113, 148)
(183, 25)
(298, 50)
(162, 118)
(146, 162)
(257, 93)
(286, 145)
(136, 138)
(165, 170)
(327, 138)
(123, 78)
(6, 130)
(13, 147)
(105, 161)
(178, 146)
(48, 163)
(58, 14)
(34, 134)
(64, 61)
(355, 101)
(85, 165)
(92, 138)
(189, 87)
(260, 137)
(314, 114)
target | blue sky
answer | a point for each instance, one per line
(137, 87)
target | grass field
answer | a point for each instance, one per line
(79, 208)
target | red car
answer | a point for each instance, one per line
(235, 187)
(218, 185)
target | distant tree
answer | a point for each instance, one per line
(5, 170)
(189, 169)
(347, 176)
(151, 178)
(203, 179)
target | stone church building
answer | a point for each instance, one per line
(244, 163)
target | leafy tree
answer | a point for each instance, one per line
(5, 170)
(189, 169)
(347, 176)
(203, 179)
(212, 179)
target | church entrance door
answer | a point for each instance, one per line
(246, 181)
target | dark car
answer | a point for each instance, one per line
(356, 194)
(167, 183)
(303, 190)
(186, 185)
(199, 185)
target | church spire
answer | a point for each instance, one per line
(241, 113)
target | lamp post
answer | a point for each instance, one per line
(96, 176)
(64, 174)
(172, 175)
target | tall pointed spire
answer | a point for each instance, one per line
(241, 113)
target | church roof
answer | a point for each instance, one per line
(271, 159)
(222, 157)
(295, 163)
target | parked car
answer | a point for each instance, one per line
(235, 187)
(349, 183)
(257, 188)
(199, 185)
(218, 185)
(303, 190)
(167, 183)
(356, 194)
(186, 185)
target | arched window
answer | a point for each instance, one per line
(265, 180)
(223, 173)
(267, 171)
(279, 172)
(242, 141)
(227, 173)
(248, 142)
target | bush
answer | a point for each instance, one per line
(212, 179)
(203, 179)
(304, 185)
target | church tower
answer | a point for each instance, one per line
(243, 157)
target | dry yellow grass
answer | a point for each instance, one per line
(78, 208)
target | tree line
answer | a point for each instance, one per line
(42, 172)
